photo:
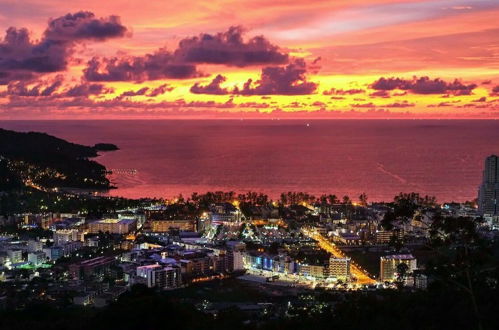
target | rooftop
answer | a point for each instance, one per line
(115, 221)
(399, 257)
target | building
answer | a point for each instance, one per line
(37, 258)
(92, 267)
(417, 281)
(384, 236)
(488, 193)
(348, 239)
(224, 213)
(15, 256)
(316, 271)
(157, 276)
(196, 264)
(54, 252)
(163, 226)
(259, 261)
(388, 266)
(34, 246)
(168, 277)
(113, 226)
(339, 268)
(70, 247)
(63, 236)
(236, 259)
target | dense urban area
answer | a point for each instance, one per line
(74, 259)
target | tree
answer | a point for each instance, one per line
(402, 269)
(333, 199)
(396, 242)
(405, 205)
(388, 220)
(363, 199)
(464, 261)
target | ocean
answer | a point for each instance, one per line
(443, 158)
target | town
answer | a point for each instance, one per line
(298, 242)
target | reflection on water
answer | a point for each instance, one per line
(379, 157)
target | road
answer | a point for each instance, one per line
(361, 276)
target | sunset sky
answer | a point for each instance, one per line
(249, 59)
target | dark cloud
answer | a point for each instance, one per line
(318, 104)
(212, 88)
(19, 56)
(226, 48)
(441, 105)
(315, 66)
(334, 91)
(495, 91)
(288, 80)
(22, 58)
(424, 85)
(87, 89)
(159, 65)
(363, 105)
(229, 48)
(146, 91)
(20, 88)
(51, 88)
(403, 104)
(482, 99)
(160, 90)
(388, 84)
(380, 93)
(84, 25)
(141, 91)
(9, 76)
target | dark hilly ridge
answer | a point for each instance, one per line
(42, 161)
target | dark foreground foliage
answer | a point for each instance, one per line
(141, 308)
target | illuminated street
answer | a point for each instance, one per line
(358, 273)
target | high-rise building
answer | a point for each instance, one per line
(489, 189)
(339, 268)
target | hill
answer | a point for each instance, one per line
(45, 162)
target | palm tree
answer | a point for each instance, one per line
(333, 199)
(363, 199)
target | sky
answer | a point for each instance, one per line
(120, 59)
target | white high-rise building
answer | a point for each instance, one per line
(488, 194)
